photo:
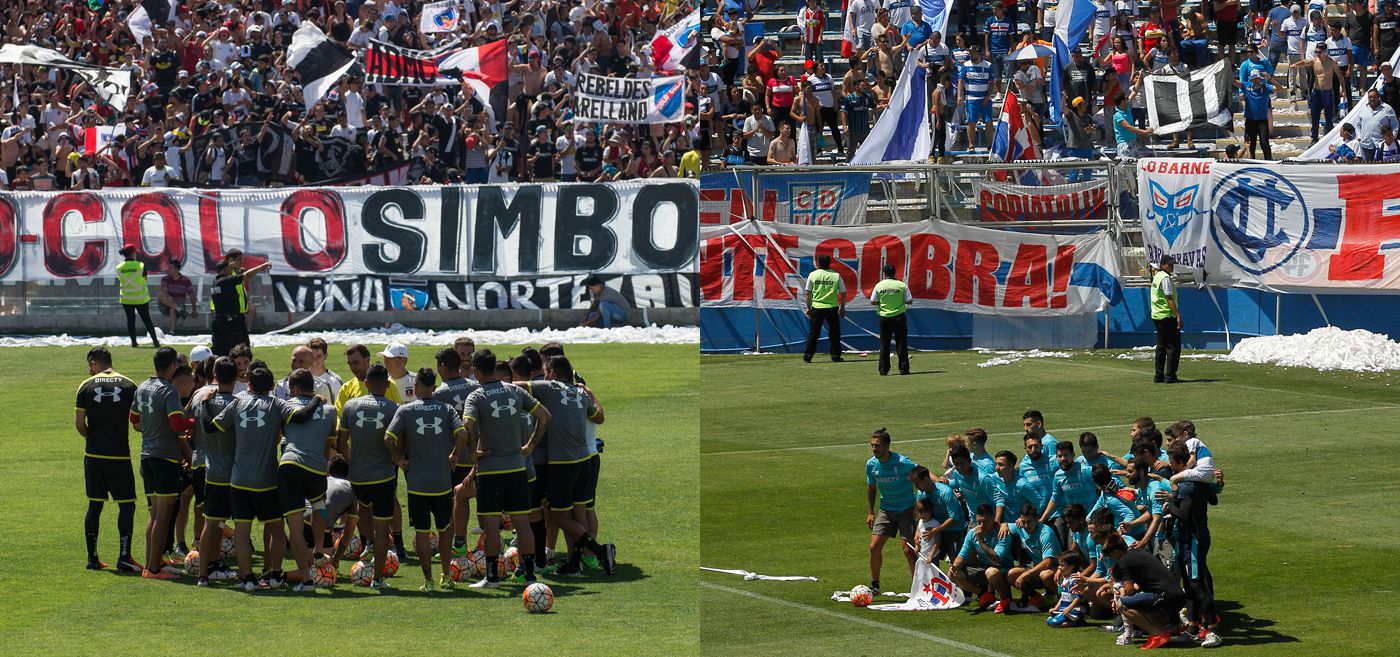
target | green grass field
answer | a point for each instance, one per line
(1305, 541)
(52, 606)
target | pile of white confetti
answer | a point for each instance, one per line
(1328, 348)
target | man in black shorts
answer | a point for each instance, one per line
(571, 408)
(1152, 595)
(373, 477)
(217, 447)
(160, 416)
(428, 434)
(494, 418)
(454, 391)
(301, 471)
(256, 421)
(104, 401)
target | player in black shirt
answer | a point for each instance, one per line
(104, 400)
(1152, 594)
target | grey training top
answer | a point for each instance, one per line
(454, 393)
(570, 409)
(156, 401)
(305, 443)
(217, 447)
(256, 421)
(366, 418)
(429, 428)
(500, 410)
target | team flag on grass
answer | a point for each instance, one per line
(931, 589)
(319, 62)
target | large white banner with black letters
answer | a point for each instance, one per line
(1303, 228)
(465, 233)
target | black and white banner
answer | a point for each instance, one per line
(472, 232)
(318, 61)
(113, 85)
(274, 145)
(150, 13)
(381, 293)
(1181, 102)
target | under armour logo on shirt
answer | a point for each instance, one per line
(101, 394)
(509, 406)
(423, 425)
(362, 419)
(245, 418)
(572, 398)
(145, 405)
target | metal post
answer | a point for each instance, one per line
(1278, 308)
(1318, 302)
(758, 298)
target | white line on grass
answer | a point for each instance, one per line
(1067, 431)
(966, 647)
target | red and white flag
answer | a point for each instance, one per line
(485, 63)
(98, 137)
(677, 46)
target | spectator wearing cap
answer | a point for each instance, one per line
(607, 306)
(540, 156)
(1372, 117)
(500, 157)
(1257, 95)
(1079, 136)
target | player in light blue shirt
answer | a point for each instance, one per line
(1037, 467)
(1090, 455)
(1073, 484)
(1038, 548)
(887, 476)
(950, 521)
(977, 487)
(1013, 492)
(1124, 513)
(982, 562)
(977, 446)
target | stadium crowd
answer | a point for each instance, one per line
(222, 65)
(223, 443)
(1321, 56)
(1077, 533)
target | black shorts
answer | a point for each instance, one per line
(594, 464)
(109, 477)
(218, 503)
(539, 487)
(379, 497)
(504, 492)
(459, 473)
(950, 543)
(1149, 602)
(162, 478)
(569, 484)
(977, 575)
(1227, 33)
(296, 486)
(180, 313)
(195, 479)
(250, 505)
(423, 510)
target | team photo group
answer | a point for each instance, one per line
(1061, 527)
(318, 460)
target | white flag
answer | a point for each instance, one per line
(931, 590)
(902, 132)
(439, 17)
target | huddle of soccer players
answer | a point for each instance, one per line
(313, 450)
(1102, 536)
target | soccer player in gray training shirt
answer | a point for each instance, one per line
(495, 419)
(218, 448)
(301, 472)
(160, 416)
(571, 408)
(454, 391)
(373, 476)
(256, 421)
(428, 435)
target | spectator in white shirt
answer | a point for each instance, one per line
(159, 174)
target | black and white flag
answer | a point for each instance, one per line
(113, 85)
(319, 62)
(1191, 100)
(275, 150)
(150, 13)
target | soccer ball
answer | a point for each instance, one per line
(355, 546)
(226, 546)
(391, 563)
(460, 568)
(509, 561)
(538, 598)
(362, 573)
(324, 575)
(481, 543)
(861, 596)
(476, 561)
(192, 563)
(433, 542)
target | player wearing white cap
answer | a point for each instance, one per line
(395, 356)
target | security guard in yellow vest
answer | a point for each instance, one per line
(228, 304)
(826, 302)
(1167, 318)
(891, 299)
(135, 294)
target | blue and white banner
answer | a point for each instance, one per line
(814, 199)
(1174, 199)
(603, 99)
(439, 17)
(1292, 229)
(902, 133)
(947, 266)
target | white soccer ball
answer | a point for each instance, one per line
(862, 596)
(433, 542)
(538, 598)
(192, 562)
(362, 573)
(226, 547)
(476, 559)
(509, 561)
